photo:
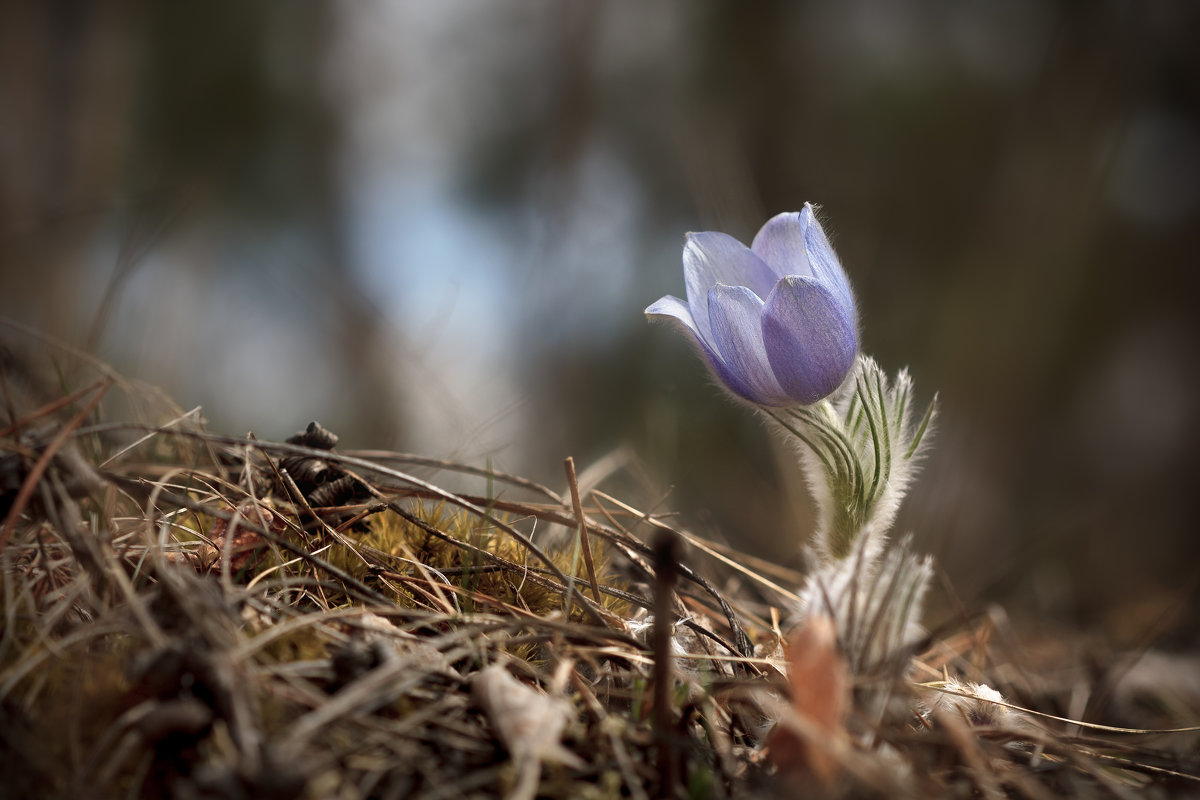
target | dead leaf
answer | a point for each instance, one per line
(814, 722)
(528, 723)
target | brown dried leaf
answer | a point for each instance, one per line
(528, 722)
(248, 548)
(801, 743)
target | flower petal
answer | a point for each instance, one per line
(710, 258)
(825, 264)
(810, 338)
(794, 243)
(736, 316)
(780, 243)
(674, 311)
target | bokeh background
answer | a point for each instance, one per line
(433, 226)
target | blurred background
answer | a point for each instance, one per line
(434, 227)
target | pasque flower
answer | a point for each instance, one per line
(774, 321)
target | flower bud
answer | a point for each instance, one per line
(776, 321)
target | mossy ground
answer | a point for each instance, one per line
(193, 615)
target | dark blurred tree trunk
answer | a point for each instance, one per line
(154, 119)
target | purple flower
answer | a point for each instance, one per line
(774, 321)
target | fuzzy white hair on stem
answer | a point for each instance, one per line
(875, 604)
(859, 451)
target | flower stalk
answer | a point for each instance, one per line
(858, 455)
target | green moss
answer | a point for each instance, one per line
(476, 582)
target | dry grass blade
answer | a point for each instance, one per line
(581, 524)
(38, 469)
